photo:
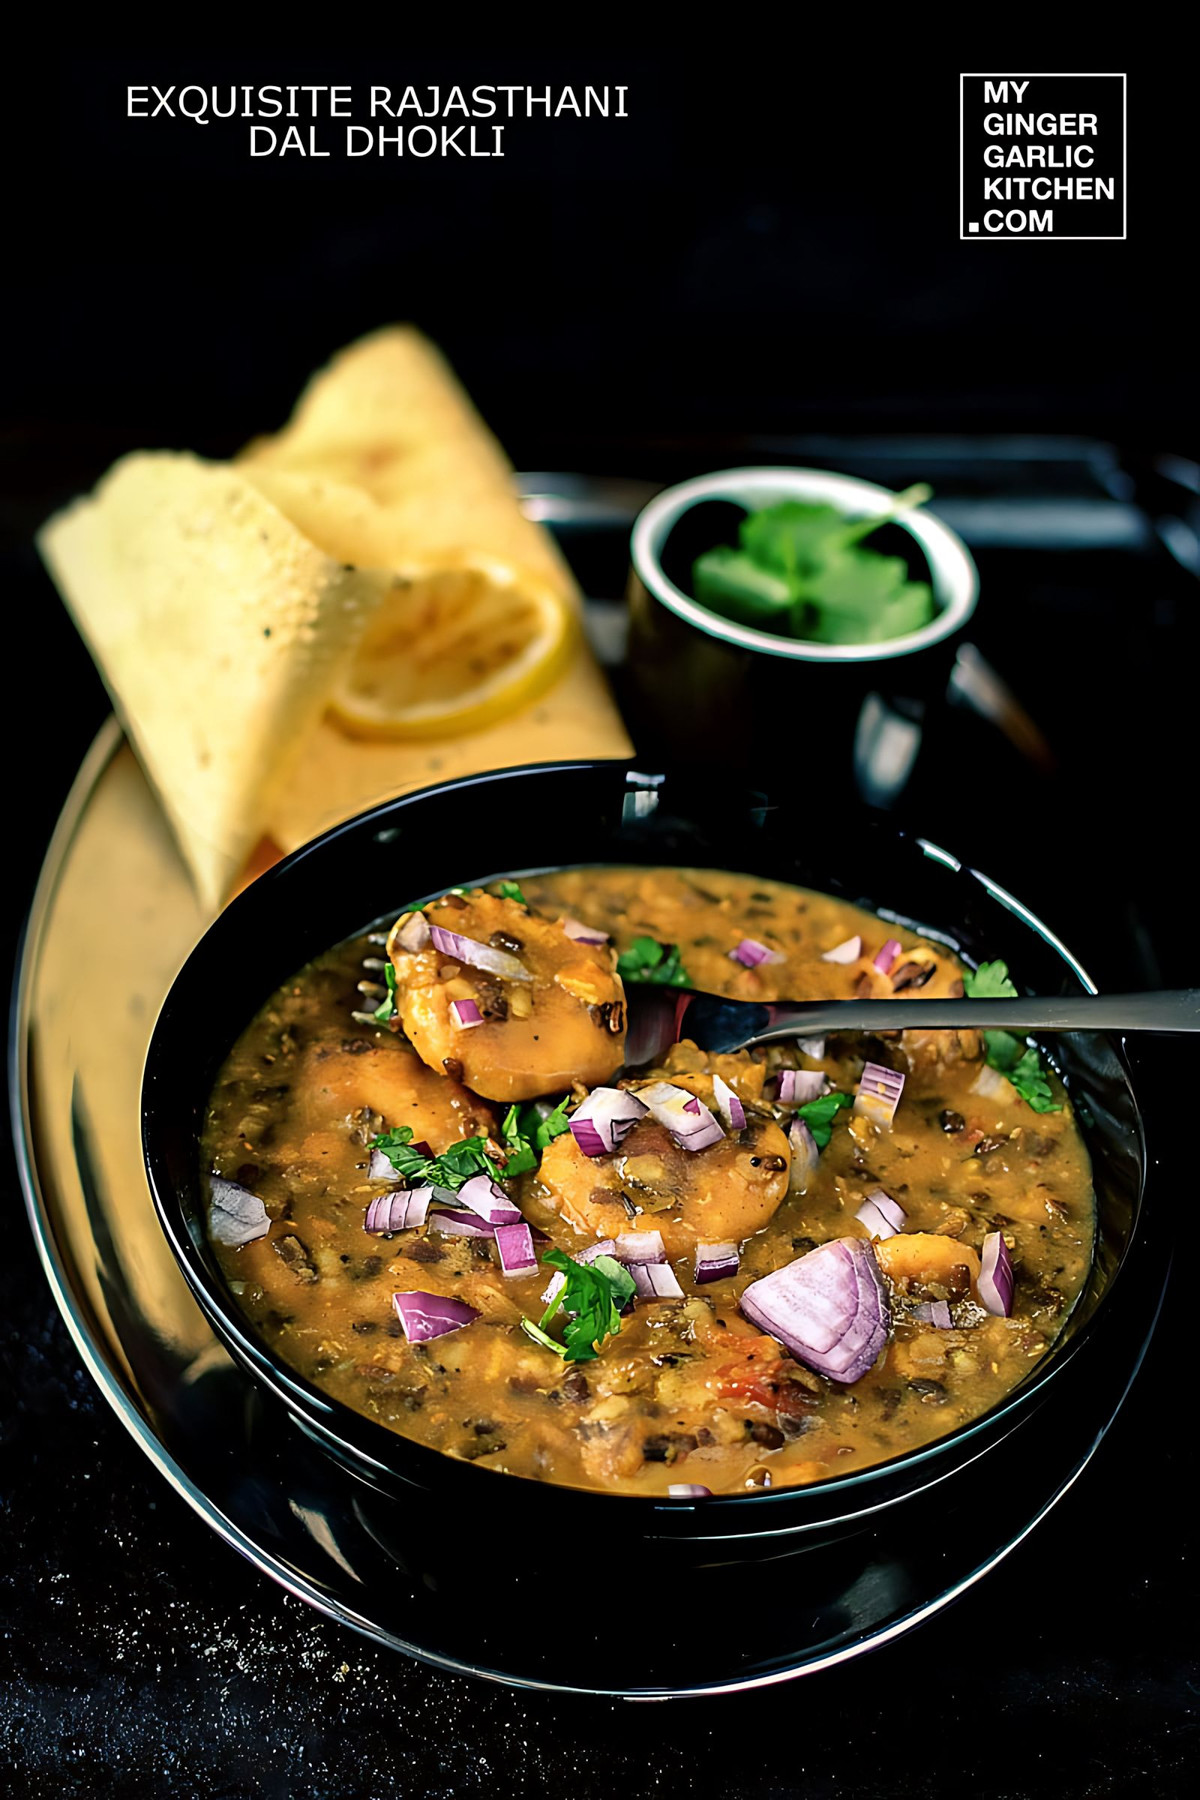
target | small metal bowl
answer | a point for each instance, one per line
(711, 689)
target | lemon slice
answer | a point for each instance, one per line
(454, 647)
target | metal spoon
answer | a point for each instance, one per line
(660, 1016)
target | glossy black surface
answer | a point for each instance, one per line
(609, 812)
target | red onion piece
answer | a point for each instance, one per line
(882, 1216)
(796, 1087)
(655, 1281)
(639, 1247)
(687, 1119)
(465, 1013)
(604, 1118)
(515, 1244)
(235, 1215)
(750, 953)
(828, 1308)
(689, 1490)
(381, 1168)
(848, 952)
(814, 1047)
(886, 956)
(733, 1113)
(879, 1092)
(935, 1313)
(426, 1316)
(414, 934)
(605, 1247)
(491, 1202)
(805, 1156)
(714, 1262)
(996, 1283)
(478, 956)
(584, 934)
(990, 1084)
(460, 1224)
(401, 1210)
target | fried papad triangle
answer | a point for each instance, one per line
(219, 629)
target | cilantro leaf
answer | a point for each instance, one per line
(1002, 1051)
(449, 1169)
(648, 960)
(525, 1134)
(990, 981)
(594, 1293)
(1029, 1079)
(553, 1125)
(820, 1113)
(510, 890)
(387, 1006)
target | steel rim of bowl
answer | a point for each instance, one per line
(322, 1411)
(955, 577)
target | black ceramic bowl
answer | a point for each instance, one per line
(520, 821)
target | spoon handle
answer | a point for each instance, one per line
(1167, 1011)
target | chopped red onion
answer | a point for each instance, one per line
(655, 1281)
(381, 1168)
(460, 1224)
(401, 1210)
(605, 1247)
(687, 1119)
(882, 1216)
(491, 1202)
(814, 1047)
(478, 956)
(584, 934)
(848, 952)
(515, 1244)
(733, 1113)
(750, 953)
(798, 1086)
(996, 1283)
(805, 1155)
(414, 934)
(828, 1308)
(935, 1313)
(885, 957)
(689, 1490)
(604, 1118)
(426, 1316)
(990, 1084)
(879, 1092)
(716, 1261)
(236, 1216)
(465, 1013)
(639, 1247)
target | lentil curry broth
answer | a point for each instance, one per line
(687, 1390)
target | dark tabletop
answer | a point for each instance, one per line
(724, 264)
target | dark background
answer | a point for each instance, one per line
(764, 252)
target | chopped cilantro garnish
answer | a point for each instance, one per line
(990, 981)
(387, 1005)
(525, 1134)
(819, 1115)
(510, 890)
(648, 960)
(450, 1169)
(1021, 1063)
(594, 1292)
